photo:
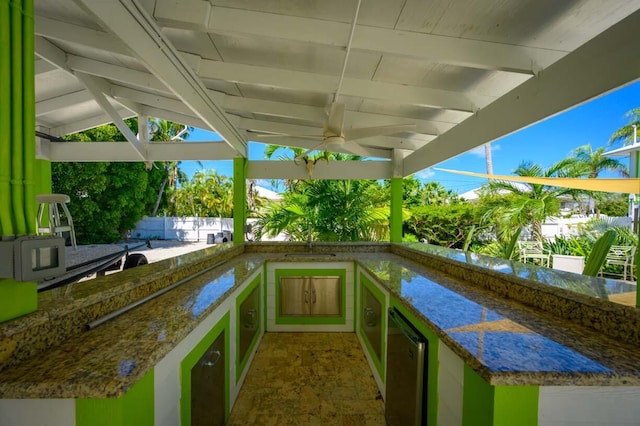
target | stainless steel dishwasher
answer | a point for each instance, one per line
(406, 394)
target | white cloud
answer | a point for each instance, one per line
(479, 150)
(425, 174)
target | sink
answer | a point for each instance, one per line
(309, 255)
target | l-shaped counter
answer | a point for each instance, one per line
(506, 340)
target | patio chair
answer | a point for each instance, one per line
(621, 256)
(54, 226)
(532, 250)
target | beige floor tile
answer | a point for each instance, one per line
(309, 379)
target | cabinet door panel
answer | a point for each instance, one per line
(207, 386)
(326, 296)
(294, 296)
(249, 321)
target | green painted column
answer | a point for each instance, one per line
(239, 198)
(134, 408)
(396, 210)
(18, 166)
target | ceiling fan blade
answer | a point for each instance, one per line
(284, 135)
(367, 132)
(335, 121)
(304, 154)
(356, 149)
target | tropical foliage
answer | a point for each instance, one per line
(207, 194)
(333, 210)
(107, 199)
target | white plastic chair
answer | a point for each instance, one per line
(55, 225)
(531, 250)
(623, 256)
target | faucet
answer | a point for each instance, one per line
(310, 239)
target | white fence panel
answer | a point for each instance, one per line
(182, 228)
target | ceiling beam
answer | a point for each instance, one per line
(51, 53)
(43, 67)
(120, 151)
(63, 101)
(606, 62)
(269, 169)
(311, 144)
(428, 47)
(98, 88)
(117, 73)
(139, 32)
(89, 123)
(322, 83)
(144, 80)
(69, 32)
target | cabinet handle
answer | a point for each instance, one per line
(306, 296)
(251, 314)
(369, 317)
(212, 363)
(313, 296)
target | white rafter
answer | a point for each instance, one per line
(139, 32)
(606, 62)
(98, 88)
(322, 83)
(449, 50)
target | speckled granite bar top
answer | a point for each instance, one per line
(505, 342)
(109, 359)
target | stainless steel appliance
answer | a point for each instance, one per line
(371, 321)
(207, 386)
(311, 296)
(406, 394)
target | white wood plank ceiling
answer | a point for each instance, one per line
(463, 72)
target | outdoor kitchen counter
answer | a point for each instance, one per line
(506, 342)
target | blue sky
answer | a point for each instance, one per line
(543, 143)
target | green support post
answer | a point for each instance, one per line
(396, 210)
(239, 198)
(18, 166)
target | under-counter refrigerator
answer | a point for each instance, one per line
(406, 394)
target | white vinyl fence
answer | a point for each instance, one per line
(182, 228)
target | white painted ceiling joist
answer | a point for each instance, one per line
(608, 61)
(322, 83)
(321, 170)
(121, 151)
(448, 50)
(139, 32)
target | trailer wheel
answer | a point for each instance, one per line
(133, 260)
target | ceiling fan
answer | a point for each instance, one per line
(336, 138)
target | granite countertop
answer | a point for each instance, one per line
(108, 360)
(505, 342)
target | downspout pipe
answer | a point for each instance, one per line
(29, 116)
(6, 219)
(17, 143)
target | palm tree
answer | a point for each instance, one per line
(595, 162)
(626, 133)
(529, 203)
(591, 163)
(164, 130)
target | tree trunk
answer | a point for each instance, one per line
(488, 158)
(160, 192)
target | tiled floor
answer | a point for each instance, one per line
(309, 379)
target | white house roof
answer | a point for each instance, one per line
(267, 193)
(464, 73)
